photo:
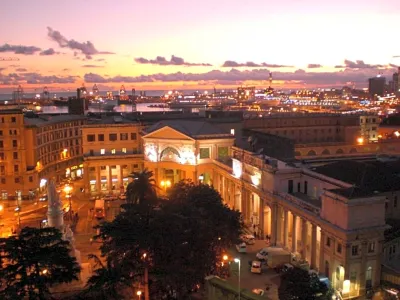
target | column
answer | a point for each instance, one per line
(274, 215)
(304, 237)
(98, 179)
(279, 225)
(314, 247)
(285, 228)
(120, 179)
(322, 254)
(332, 265)
(109, 180)
(294, 234)
(261, 218)
(243, 205)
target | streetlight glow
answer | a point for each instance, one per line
(225, 257)
(139, 293)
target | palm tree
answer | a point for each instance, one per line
(142, 189)
(107, 281)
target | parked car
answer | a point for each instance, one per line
(248, 239)
(259, 292)
(256, 267)
(241, 248)
(43, 197)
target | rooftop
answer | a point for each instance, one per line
(194, 129)
(41, 120)
(367, 177)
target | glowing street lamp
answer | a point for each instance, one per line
(165, 184)
(139, 293)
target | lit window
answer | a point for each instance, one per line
(124, 150)
(102, 151)
(233, 131)
(112, 151)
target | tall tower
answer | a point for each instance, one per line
(270, 79)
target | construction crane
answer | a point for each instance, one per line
(9, 59)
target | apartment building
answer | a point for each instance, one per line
(35, 148)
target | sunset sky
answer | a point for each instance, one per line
(158, 44)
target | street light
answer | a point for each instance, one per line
(165, 184)
(17, 209)
(237, 260)
(139, 293)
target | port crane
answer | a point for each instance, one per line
(9, 59)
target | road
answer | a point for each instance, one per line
(252, 281)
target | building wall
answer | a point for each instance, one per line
(34, 152)
(310, 128)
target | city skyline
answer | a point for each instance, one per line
(155, 45)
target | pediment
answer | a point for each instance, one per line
(167, 133)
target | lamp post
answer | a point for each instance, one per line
(237, 260)
(139, 293)
(165, 184)
(67, 190)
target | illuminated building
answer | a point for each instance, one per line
(176, 150)
(112, 150)
(36, 148)
(246, 93)
(314, 214)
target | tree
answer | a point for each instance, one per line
(299, 284)
(182, 242)
(33, 261)
(107, 282)
(142, 189)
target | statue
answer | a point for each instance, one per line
(55, 214)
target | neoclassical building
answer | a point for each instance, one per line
(335, 227)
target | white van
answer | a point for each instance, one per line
(241, 248)
(256, 267)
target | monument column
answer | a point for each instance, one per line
(261, 218)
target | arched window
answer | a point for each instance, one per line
(170, 153)
(353, 150)
(311, 153)
(339, 151)
(326, 152)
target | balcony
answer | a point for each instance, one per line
(302, 200)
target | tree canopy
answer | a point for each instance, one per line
(33, 261)
(183, 240)
(299, 284)
(142, 188)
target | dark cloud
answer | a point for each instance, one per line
(34, 78)
(49, 51)
(174, 61)
(360, 64)
(314, 66)
(86, 48)
(250, 64)
(19, 49)
(340, 78)
(21, 70)
(92, 66)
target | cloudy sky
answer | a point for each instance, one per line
(158, 44)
